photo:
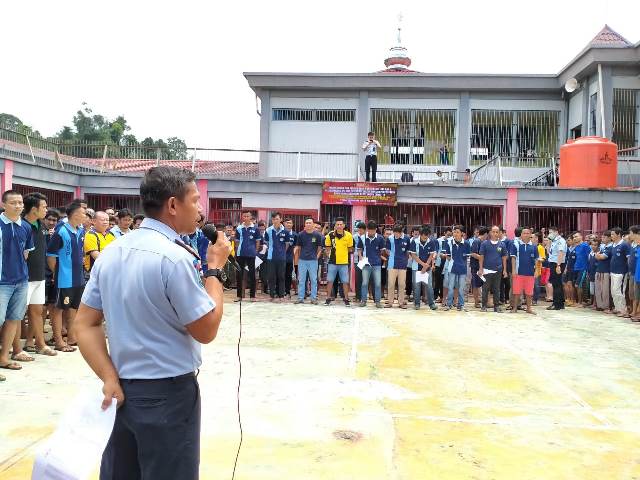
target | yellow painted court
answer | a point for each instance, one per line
(335, 393)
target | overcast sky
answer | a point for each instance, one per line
(175, 68)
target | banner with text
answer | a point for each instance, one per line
(360, 193)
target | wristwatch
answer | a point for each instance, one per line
(216, 272)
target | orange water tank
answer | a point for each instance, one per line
(589, 162)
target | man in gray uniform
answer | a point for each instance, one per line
(155, 336)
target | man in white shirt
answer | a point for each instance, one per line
(370, 148)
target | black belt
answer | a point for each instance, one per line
(168, 379)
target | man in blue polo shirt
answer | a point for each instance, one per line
(308, 250)
(16, 241)
(474, 264)
(634, 236)
(247, 243)
(397, 249)
(277, 240)
(290, 268)
(457, 258)
(581, 250)
(371, 249)
(423, 252)
(603, 273)
(65, 256)
(492, 267)
(524, 255)
(619, 268)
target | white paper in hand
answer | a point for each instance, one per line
(258, 263)
(422, 277)
(74, 450)
(364, 261)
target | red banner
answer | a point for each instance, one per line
(360, 193)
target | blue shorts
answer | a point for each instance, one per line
(13, 301)
(334, 270)
(579, 277)
(476, 282)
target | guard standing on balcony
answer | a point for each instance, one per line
(370, 148)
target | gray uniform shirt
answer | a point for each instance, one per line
(149, 289)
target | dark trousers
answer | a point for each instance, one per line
(409, 282)
(157, 431)
(370, 166)
(276, 269)
(250, 276)
(358, 284)
(438, 278)
(492, 285)
(556, 280)
(288, 278)
(505, 289)
(263, 274)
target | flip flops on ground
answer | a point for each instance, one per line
(11, 366)
(22, 357)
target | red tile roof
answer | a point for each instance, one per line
(608, 38)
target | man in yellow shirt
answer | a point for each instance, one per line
(339, 245)
(96, 239)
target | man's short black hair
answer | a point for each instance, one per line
(276, 214)
(138, 216)
(372, 225)
(125, 212)
(370, 133)
(635, 229)
(397, 228)
(219, 226)
(52, 212)
(33, 201)
(483, 230)
(72, 207)
(617, 230)
(448, 229)
(554, 228)
(517, 231)
(79, 200)
(361, 225)
(262, 223)
(8, 193)
(458, 227)
(339, 219)
(425, 231)
(287, 219)
(607, 233)
(415, 229)
(160, 184)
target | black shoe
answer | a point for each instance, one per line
(328, 301)
(497, 310)
(347, 303)
(483, 309)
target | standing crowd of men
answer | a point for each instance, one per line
(47, 256)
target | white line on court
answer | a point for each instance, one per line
(353, 355)
(559, 384)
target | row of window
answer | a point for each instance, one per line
(313, 115)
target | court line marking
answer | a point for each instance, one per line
(588, 408)
(503, 422)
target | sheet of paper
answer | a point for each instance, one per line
(486, 270)
(258, 263)
(364, 261)
(264, 249)
(422, 277)
(74, 450)
(481, 277)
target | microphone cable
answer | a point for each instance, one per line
(235, 464)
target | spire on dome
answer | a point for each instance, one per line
(609, 38)
(398, 58)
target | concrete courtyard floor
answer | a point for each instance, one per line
(337, 393)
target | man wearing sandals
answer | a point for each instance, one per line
(65, 255)
(35, 208)
(17, 241)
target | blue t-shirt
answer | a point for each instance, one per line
(459, 253)
(398, 249)
(493, 253)
(67, 245)
(16, 238)
(571, 259)
(593, 263)
(277, 242)
(582, 257)
(474, 263)
(619, 254)
(309, 243)
(371, 248)
(246, 238)
(637, 274)
(604, 265)
(422, 250)
(632, 261)
(292, 243)
(526, 255)
(507, 246)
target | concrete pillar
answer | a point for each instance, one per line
(607, 98)
(585, 107)
(77, 193)
(265, 122)
(463, 133)
(203, 190)
(363, 121)
(511, 211)
(7, 177)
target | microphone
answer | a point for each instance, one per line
(211, 233)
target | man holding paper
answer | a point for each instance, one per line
(423, 251)
(154, 337)
(370, 250)
(493, 266)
